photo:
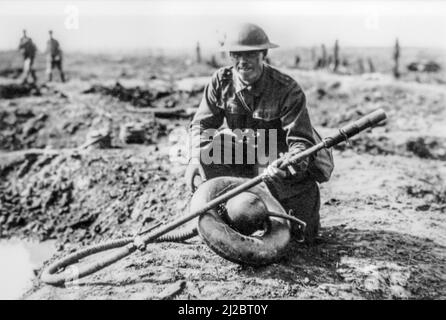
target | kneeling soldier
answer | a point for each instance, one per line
(253, 96)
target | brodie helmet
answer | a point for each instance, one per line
(247, 37)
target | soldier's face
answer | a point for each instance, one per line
(248, 64)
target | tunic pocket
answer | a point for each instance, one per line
(236, 115)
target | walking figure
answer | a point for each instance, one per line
(28, 50)
(53, 58)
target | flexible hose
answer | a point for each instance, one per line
(51, 276)
(178, 235)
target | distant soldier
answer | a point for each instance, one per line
(296, 61)
(198, 52)
(28, 50)
(53, 58)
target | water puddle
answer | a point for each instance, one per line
(18, 260)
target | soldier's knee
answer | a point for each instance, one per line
(305, 207)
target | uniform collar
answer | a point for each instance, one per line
(256, 88)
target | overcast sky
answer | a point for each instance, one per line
(102, 25)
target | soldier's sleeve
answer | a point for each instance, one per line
(296, 120)
(299, 136)
(208, 116)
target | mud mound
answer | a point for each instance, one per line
(19, 128)
(13, 73)
(80, 197)
(381, 145)
(431, 192)
(425, 66)
(159, 96)
(422, 147)
(136, 96)
(427, 148)
(55, 121)
(11, 91)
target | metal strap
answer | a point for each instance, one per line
(345, 136)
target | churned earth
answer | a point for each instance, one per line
(383, 212)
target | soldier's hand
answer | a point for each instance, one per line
(275, 173)
(194, 175)
(278, 174)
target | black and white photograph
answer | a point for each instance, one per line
(241, 151)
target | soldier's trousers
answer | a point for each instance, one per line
(301, 198)
(28, 70)
(52, 64)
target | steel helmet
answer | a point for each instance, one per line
(247, 37)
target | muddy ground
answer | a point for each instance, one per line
(383, 212)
